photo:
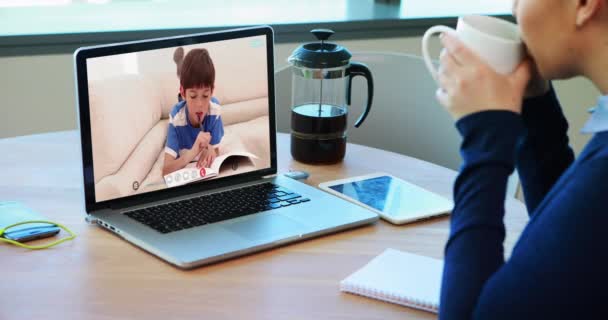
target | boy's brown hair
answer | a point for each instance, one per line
(197, 70)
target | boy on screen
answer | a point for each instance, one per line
(195, 126)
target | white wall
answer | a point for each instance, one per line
(102, 68)
(38, 91)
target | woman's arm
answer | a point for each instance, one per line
(543, 154)
(487, 106)
(475, 246)
(557, 265)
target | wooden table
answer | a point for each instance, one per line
(99, 276)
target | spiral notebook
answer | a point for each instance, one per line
(399, 277)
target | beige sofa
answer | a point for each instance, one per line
(129, 118)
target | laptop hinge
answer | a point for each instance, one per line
(269, 176)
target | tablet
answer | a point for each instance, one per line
(395, 200)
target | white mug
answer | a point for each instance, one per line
(494, 40)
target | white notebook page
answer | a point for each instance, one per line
(399, 277)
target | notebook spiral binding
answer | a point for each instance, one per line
(387, 296)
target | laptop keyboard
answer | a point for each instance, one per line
(216, 207)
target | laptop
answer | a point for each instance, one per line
(139, 131)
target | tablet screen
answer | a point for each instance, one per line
(373, 192)
(392, 196)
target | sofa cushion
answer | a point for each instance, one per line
(123, 110)
(136, 167)
(254, 136)
(167, 86)
(244, 110)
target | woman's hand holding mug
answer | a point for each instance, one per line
(468, 84)
(483, 66)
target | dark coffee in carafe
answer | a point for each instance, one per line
(318, 133)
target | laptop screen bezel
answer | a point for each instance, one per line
(82, 97)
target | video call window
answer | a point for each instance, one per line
(161, 117)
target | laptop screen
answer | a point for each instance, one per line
(181, 115)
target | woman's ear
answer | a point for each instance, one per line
(587, 9)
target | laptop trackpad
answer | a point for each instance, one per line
(268, 226)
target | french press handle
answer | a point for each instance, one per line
(359, 69)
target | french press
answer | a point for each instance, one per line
(321, 94)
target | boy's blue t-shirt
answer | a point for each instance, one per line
(181, 134)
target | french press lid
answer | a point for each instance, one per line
(320, 55)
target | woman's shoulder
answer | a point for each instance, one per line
(597, 149)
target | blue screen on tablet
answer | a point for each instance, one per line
(394, 197)
(380, 193)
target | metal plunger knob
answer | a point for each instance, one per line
(322, 34)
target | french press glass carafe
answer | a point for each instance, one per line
(321, 95)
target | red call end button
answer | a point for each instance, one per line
(203, 172)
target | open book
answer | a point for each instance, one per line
(399, 277)
(224, 165)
